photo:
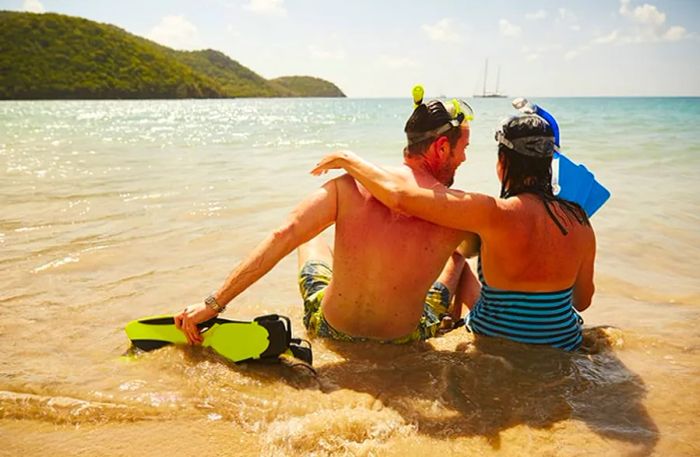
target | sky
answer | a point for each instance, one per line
(374, 48)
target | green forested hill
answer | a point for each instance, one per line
(52, 56)
(233, 77)
(307, 86)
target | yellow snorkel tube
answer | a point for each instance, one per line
(418, 93)
(455, 107)
(460, 106)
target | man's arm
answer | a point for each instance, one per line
(469, 212)
(584, 287)
(313, 215)
(470, 246)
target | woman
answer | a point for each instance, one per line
(537, 251)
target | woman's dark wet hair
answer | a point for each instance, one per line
(532, 172)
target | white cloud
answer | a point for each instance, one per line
(541, 14)
(508, 29)
(33, 6)
(443, 31)
(675, 33)
(648, 14)
(645, 14)
(624, 7)
(176, 32)
(321, 53)
(396, 62)
(649, 26)
(269, 7)
(575, 28)
(612, 37)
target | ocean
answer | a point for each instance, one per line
(115, 210)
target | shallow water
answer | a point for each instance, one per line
(114, 210)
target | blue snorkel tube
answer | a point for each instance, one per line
(569, 181)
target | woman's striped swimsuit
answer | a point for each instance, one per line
(528, 317)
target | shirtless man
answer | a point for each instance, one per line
(384, 264)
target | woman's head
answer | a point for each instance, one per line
(525, 150)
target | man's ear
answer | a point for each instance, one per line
(442, 146)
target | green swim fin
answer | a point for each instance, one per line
(264, 338)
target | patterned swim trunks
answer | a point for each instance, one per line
(315, 277)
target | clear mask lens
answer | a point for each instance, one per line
(454, 107)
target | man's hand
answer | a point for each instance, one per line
(332, 161)
(188, 319)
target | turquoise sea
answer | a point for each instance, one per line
(114, 210)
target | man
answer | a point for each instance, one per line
(374, 283)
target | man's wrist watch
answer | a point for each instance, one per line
(211, 303)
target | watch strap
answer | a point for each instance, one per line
(211, 303)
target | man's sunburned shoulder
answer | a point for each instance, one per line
(346, 182)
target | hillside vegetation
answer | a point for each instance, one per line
(308, 86)
(52, 56)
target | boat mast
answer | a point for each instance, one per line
(486, 69)
(498, 78)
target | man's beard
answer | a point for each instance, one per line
(450, 177)
(447, 172)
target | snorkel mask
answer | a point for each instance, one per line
(446, 114)
(531, 145)
(528, 135)
(524, 106)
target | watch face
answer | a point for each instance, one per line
(211, 302)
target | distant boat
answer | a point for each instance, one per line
(494, 94)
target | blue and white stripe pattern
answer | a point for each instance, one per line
(527, 317)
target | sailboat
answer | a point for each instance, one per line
(495, 94)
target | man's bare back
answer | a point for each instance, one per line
(384, 263)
